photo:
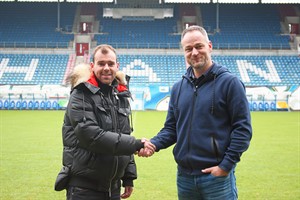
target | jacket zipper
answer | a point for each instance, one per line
(190, 122)
(118, 126)
(114, 123)
(113, 111)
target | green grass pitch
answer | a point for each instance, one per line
(31, 150)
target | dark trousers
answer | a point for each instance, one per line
(78, 193)
(116, 194)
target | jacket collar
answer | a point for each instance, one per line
(92, 80)
(94, 86)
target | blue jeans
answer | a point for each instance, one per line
(206, 187)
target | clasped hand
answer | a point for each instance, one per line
(148, 150)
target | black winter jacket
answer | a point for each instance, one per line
(98, 148)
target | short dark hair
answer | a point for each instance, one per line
(195, 28)
(104, 48)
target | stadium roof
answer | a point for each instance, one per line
(170, 1)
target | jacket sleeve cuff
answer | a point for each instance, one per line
(157, 147)
(138, 145)
(127, 182)
(227, 165)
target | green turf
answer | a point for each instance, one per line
(31, 149)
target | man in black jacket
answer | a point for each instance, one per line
(98, 149)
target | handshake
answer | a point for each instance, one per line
(148, 150)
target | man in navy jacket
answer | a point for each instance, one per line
(209, 120)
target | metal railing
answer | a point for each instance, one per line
(35, 45)
(228, 46)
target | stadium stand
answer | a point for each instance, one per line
(31, 69)
(33, 25)
(17, 69)
(245, 26)
(241, 26)
(35, 52)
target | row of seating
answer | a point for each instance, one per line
(242, 26)
(38, 68)
(51, 69)
(29, 105)
(262, 106)
(268, 106)
(35, 23)
(55, 105)
(245, 26)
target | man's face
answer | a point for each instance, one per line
(197, 50)
(105, 66)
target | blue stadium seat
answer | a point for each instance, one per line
(55, 105)
(254, 106)
(24, 105)
(30, 105)
(250, 106)
(48, 105)
(273, 106)
(12, 105)
(6, 104)
(261, 106)
(42, 105)
(36, 105)
(266, 106)
(18, 105)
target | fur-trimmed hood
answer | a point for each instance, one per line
(81, 73)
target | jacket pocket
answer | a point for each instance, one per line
(62, 179)
(216, 149)
(123, 120)
(104, 118)
(123, 162)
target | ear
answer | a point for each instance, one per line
(92, 65)
(210, 46)
(118, 65)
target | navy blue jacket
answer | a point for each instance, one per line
(209, 122)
